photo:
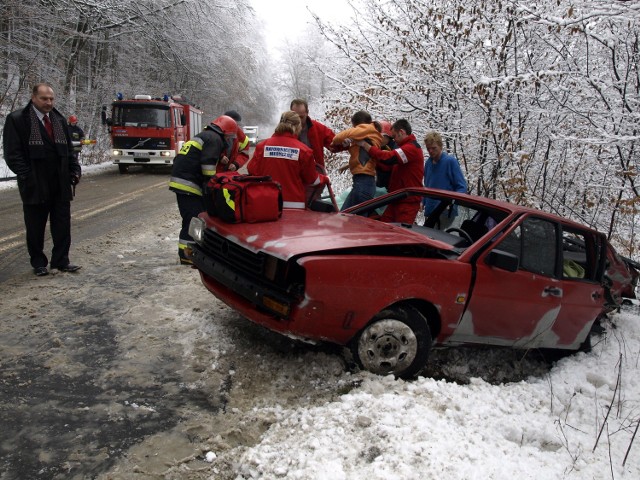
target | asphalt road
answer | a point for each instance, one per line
(104, 201)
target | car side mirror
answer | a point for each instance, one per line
(503, 260)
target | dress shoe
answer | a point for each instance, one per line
(70, 268)
(41, 271)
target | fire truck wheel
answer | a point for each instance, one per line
(123, 168)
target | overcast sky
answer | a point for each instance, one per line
(291, 17)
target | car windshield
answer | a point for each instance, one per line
(461, 219)
(141, 116)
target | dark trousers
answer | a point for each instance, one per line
(364, 188)
(189, 206)
(58, 212)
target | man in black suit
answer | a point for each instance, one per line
(38, 149)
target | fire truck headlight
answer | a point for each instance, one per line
(196, 229)
(117, 153)
(166, 153)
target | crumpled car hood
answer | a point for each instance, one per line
(302, 231)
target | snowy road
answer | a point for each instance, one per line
(130, 368)
(105, 201)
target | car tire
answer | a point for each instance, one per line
(123, 168)
(396, 342)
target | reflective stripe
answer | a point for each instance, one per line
(293, 204)
(208, 170)
(196, 142)
(228, 199)
(402, 155)
(242, 145)
(185, 186)
(182, 244)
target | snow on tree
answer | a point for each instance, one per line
(538, 100)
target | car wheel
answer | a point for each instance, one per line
(397, 341)
(123, 168)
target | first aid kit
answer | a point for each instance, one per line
(243, 198)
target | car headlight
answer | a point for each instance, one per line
(196, 229)
(166, 153)
(117, 153)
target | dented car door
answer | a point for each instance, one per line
(516, 308)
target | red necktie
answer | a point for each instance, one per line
(48, 127)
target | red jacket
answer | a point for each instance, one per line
(319, 137)
(289, 162)
(406, 163)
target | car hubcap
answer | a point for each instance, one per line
(387, 346)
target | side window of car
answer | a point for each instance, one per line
(579, 255)
(534, 241)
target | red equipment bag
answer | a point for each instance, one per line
(244, 198)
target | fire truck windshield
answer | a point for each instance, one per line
(141, 116)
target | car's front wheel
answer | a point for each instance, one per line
(397, 341)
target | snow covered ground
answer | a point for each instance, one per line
(577, 421)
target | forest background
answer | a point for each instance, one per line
(539, 100)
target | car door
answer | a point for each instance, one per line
(582, 253)
(516, 308)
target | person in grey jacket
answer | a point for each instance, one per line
(38, 149)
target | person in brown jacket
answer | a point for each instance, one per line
(361, 165)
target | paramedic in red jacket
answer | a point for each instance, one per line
(313, 134)
(288, 161)
(406, 163)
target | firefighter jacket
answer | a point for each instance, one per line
(318, 137)
(360, 162)
(406, 163)
(77, 135)
(239, 152)
(196, 162)
(289, 162)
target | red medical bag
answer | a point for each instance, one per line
(243, 198)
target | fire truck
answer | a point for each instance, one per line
(150, 131)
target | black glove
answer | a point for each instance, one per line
(75, 180)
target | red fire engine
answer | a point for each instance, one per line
(150, 131)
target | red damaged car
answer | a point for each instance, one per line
(500, 275)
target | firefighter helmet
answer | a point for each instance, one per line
(226, 124)
(73, 119)
(386, 128)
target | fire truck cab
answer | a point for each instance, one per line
(150, 131)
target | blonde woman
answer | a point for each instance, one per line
(288, 161)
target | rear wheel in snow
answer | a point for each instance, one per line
(396, 341)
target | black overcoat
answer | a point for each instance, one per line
(28, 162)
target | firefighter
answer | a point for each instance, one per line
(239, 151)
(77, 135)
(192, 169)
